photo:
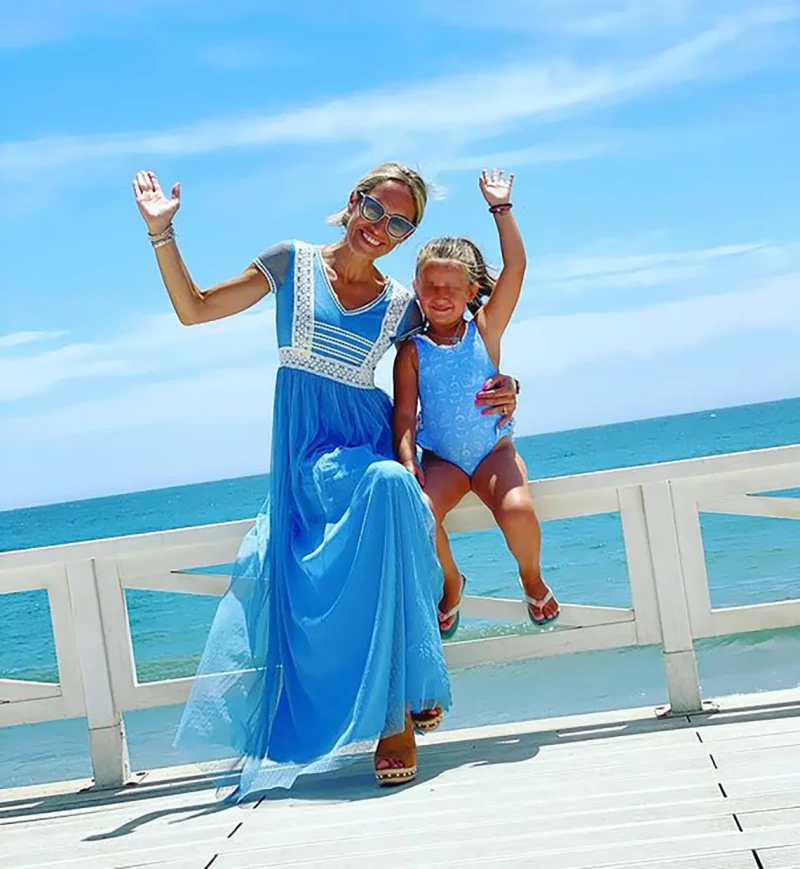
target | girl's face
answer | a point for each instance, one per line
(444, 290)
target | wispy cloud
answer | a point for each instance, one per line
(155, 346)
(37, 22)
(565, 342)
(461, 107)
(538, 155)
(217, 396)
(724, 265)
(592, 18)
(18, 339)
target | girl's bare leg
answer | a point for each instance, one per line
(501, 482)
(445, 486)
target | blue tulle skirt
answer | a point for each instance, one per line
(329, 629)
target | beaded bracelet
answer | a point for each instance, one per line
(502, 208)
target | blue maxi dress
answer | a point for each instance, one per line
(329, 629)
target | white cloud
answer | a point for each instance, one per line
(674, 357)
(23, 25)
(566, 342)
(591, 18)
(725, 265)
(216, 398)
(540, 154)
(18, 339)
(461, 107)
(155, 345)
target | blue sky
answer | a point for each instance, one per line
(655, 146)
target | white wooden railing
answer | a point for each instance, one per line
(659, 507)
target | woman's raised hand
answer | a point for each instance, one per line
(155, 207)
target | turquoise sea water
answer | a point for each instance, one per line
(750, 560)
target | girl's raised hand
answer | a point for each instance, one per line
(496, 188)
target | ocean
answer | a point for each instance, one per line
(750, 560)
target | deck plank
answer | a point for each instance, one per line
(730, 860)
(785, 817)
(781, 757)
(752, 783)
(723, 729)
(787, 739)
(787, 857)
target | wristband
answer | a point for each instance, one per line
(502, 208)
(161, 238)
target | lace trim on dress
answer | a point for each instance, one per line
(398, 305)
(290, 357)
(303, 319)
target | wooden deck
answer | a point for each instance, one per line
(619, 789)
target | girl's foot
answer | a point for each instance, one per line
(449, 611)
(542, 605)
(396, 757)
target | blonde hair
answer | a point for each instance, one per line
(380, 175)
(467, 254)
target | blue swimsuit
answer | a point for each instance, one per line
(450, 424)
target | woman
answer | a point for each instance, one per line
(328, 636)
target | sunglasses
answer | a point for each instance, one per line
(397, 226)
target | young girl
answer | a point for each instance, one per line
(464, 450)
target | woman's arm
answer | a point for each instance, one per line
(404, 417)
(191, 304)
(495, 315)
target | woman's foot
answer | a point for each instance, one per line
(396, 757)
(542, 605)
(427, 720)
(449, 606)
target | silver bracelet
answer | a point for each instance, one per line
(161, 238)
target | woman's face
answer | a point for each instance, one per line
(371, 239)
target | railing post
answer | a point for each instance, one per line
(640, 565)
(680, 662)
(107, 742)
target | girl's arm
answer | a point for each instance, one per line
(404, 417)
(191, 304)
(495, 315)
